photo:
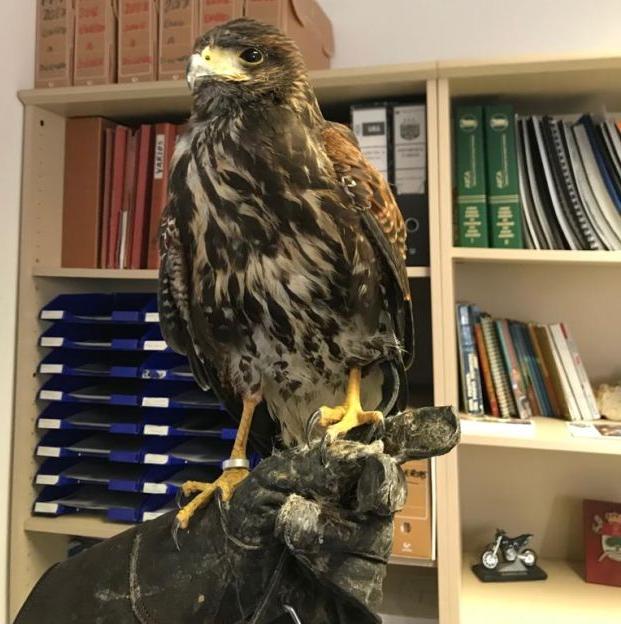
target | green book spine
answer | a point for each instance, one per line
(472, 218)
(503, 187)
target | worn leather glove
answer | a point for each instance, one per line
(305, 539)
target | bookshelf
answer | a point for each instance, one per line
(526, 484)
(38, 542)
(531, 483)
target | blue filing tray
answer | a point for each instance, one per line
(104, 336)
(117, 506)
(137, 364)
(102, 308)
(113, 419)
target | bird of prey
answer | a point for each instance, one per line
(282, 271)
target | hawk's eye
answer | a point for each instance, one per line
(251, 56)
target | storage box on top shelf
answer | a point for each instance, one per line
(178, 29)
(54, 47)
(137, 40)
(95, 42)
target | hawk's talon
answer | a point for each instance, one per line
(175, 534)
(310, 425)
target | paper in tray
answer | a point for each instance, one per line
(178, 422)
(113, 419)
(128, 392)
(206, 451)
(113, 447)
(102, 308)
(73, 471)
(123, 337)
(117, 506)
(171, 483)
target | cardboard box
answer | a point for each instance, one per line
(177, 33)
(95, 42)
(212, 13)
(304, 21)
(137, 40)
(413, 526)
(55, 35)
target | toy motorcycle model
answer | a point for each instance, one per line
(510, 549)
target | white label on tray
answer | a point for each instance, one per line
(517, 429)
(156, 430)
(44, 479)
(50, 508)
(52, 315)
(155, 402)
(49, 423)
(48, 451)
(156, 458)
(51, 369)
(152, 317)
(154, 345)
(154, 488)
(50, 341)
(51, 395)
(151, 515)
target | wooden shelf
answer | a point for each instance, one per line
(173, 97)
(563, 597)
(98, 528)
(535, 256)
(130, 274)
(144, 274)
(550, 434)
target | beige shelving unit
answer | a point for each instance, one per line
(38, 542)
(533, 483)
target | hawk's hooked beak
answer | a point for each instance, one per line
(215, 62)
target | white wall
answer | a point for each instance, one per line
(16, 72)
(376, 32)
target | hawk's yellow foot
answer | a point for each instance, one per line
(226, 483)
(235, 471)
(343, 418)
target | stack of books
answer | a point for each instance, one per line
(116, 181)
(511, 369)
(124, 424)
(537, 182)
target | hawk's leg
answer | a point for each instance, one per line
(229, 479)
(339, 420)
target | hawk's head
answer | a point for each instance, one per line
(244, 59)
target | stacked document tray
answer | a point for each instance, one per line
(122, 422)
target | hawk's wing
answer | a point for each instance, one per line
(382, 220)
(177, 310)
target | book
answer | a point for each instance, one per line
(592, 411)
(512, 368)
(95, 42)
(503, 192)
(471, 204)
(127, 210)
(163, 148)
(555, 407)
(484, 363)
(116, 199)
(371, 126)
(144, 160)
(526, 373)
(83, 202)
(472, 393)
(107, 198)
(535, 372)
(502, 389)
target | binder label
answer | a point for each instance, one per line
(410, 149)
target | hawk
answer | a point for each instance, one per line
(282, 255)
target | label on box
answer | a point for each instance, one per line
(48, 451)
(370, 125)
(51, 341)
(410, 148)
(55, 27)
(178, 30)
(49, 423)
(51, 395)
(51, 369)
(154, 488)
(156, 458)
(44, 479)
(155, 402)
(137, 40)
